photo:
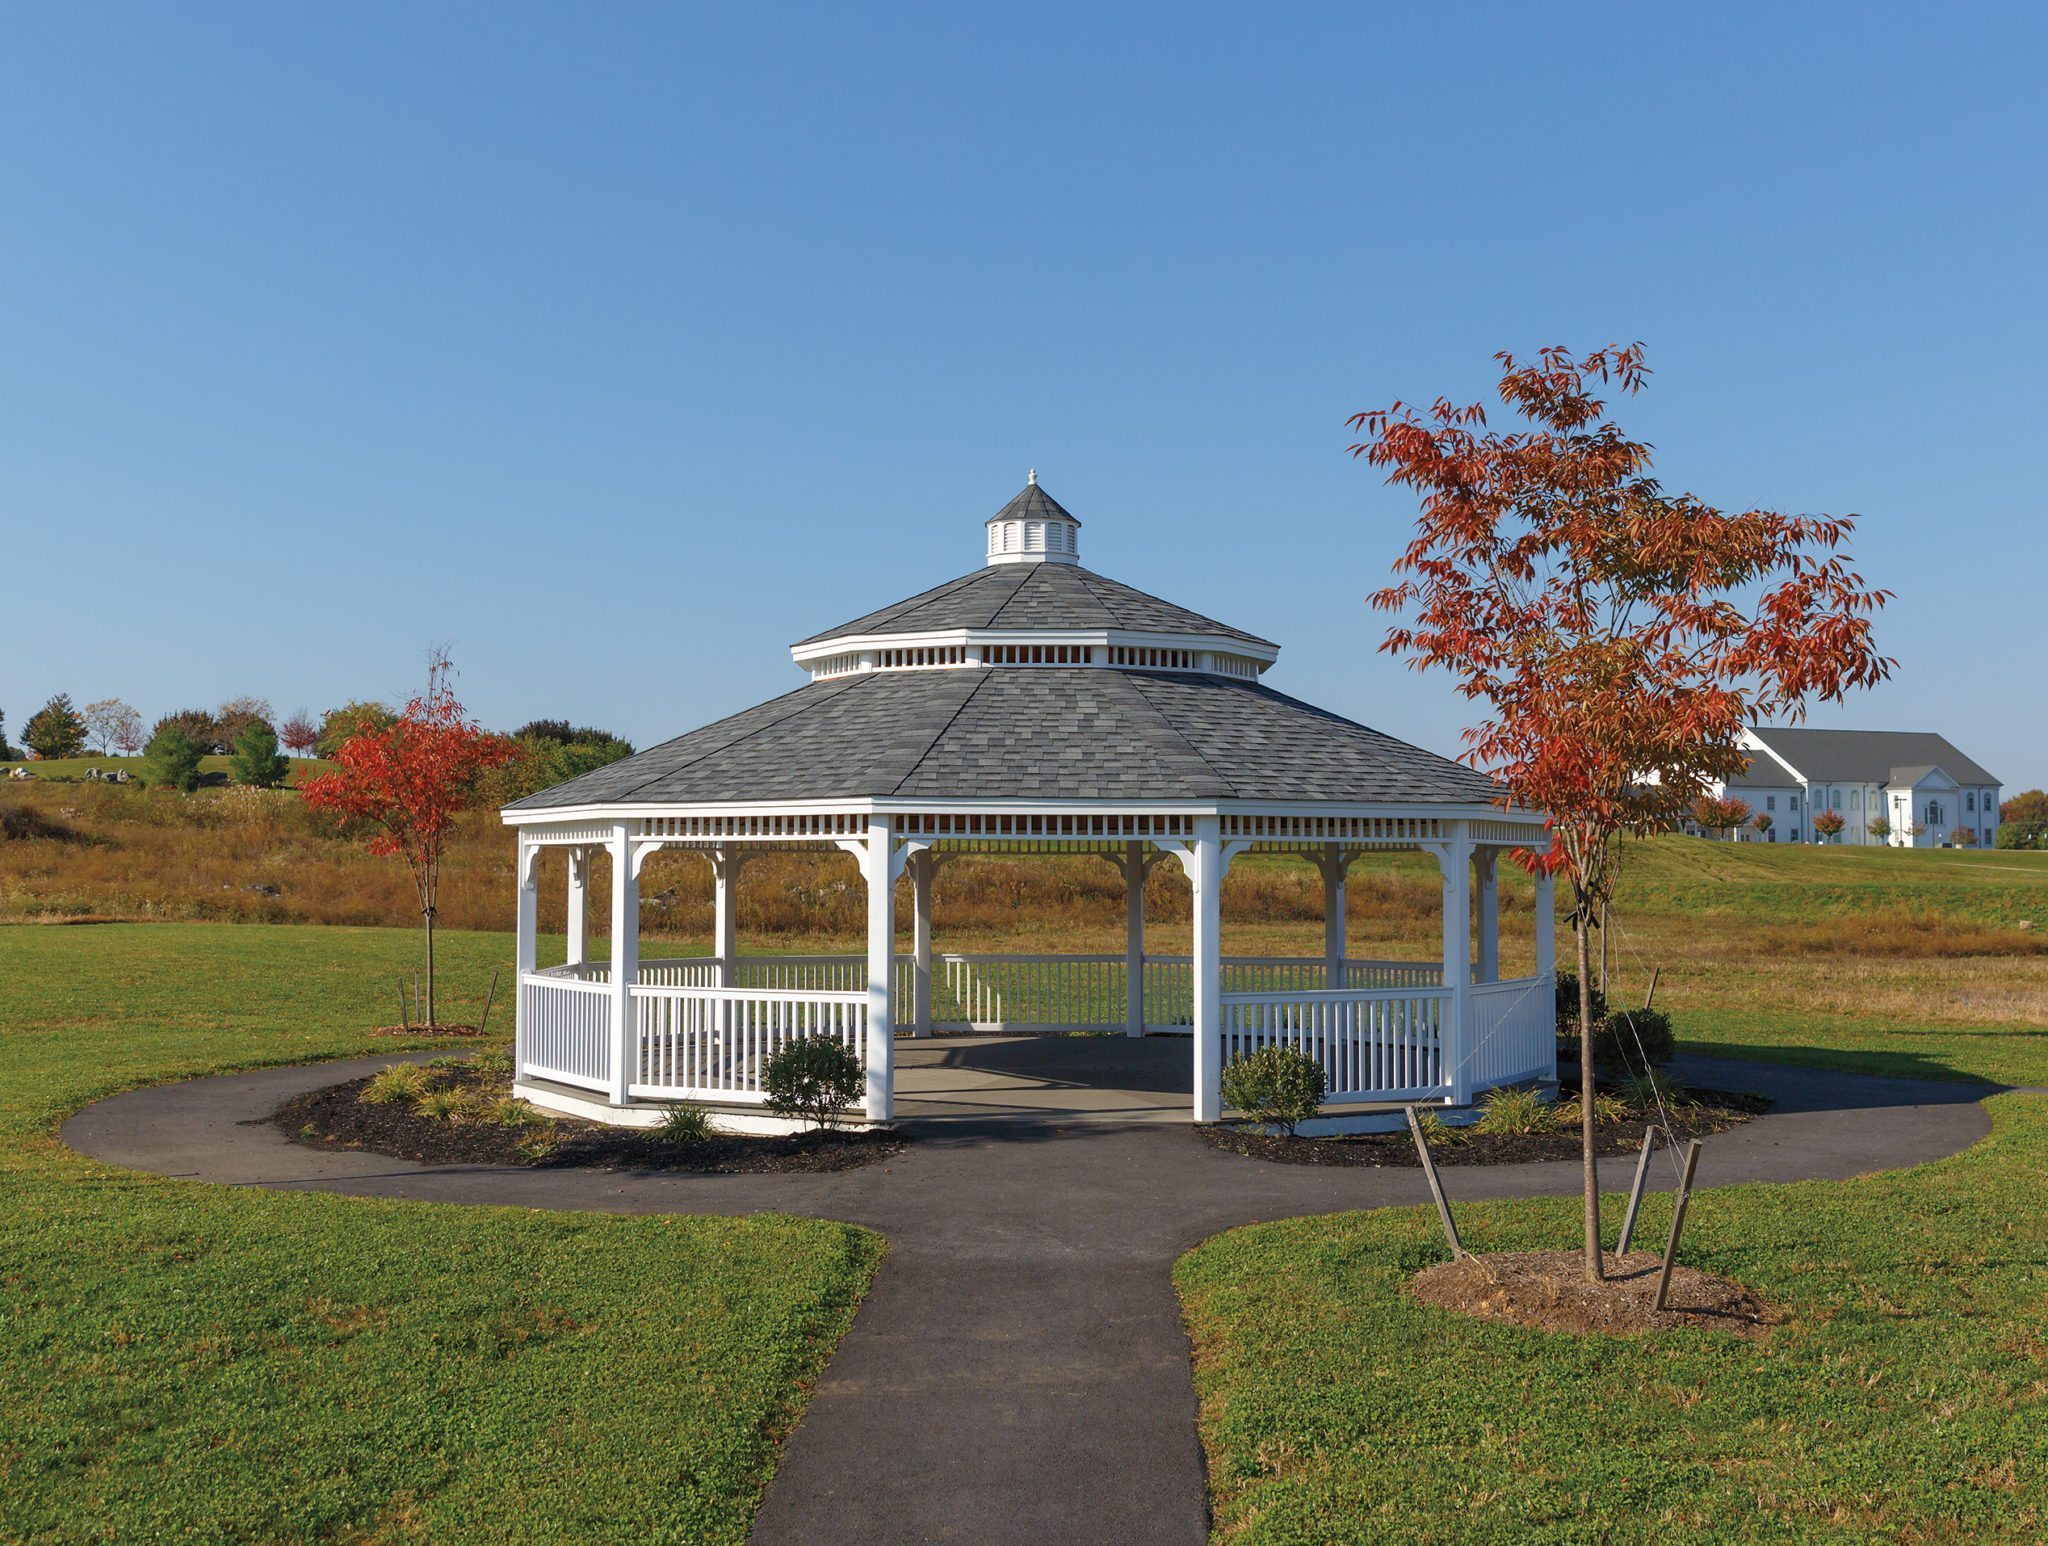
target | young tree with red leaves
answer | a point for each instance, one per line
(299, 734)
(412, 778)
(1829, 825)
(1618, 636)
(1725, 814)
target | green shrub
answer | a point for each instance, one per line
(171, 760)
(1512, 1112)
(1436, 1131)
(1274, 1085)
(685, 1124)
(1628, 1037)
(1568, 1006)
(257, 761)
(400, 1084)
(812, 1080)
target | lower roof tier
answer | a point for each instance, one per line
(1043, 733)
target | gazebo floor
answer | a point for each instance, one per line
(1063, 1078)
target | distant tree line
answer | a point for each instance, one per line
(246, 731)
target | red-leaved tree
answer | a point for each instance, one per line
(1617, 636)
(299, 734)
(1829, 825)
(412, 778)
(1725, 814)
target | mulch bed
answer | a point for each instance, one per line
(335, 1118)
(1713, 1111)
(437, 1029)
(1548, 1290)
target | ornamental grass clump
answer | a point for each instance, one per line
(1276, 1086)
(812, 1080)
(1655, 1090)
(1512, 1113)
(685, 1124)
(452, 1103)
(1606, 1108)
(401, 1084)
(513, 1111)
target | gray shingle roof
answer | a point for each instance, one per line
(1050, 733)
(1033, 504)
(1042, 596)
(1867, 756)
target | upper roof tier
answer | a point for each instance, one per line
(1033, 590)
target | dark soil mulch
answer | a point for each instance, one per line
(439, 1028)
(1548, 1290)
(1714, 1111)
(335, 1118)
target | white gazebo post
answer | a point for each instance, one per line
(725, 874)
(579, 906)
(1134, 939)
(1546, 918)
(879, 870)
(1333, 862)
(1455, 859)
(1204, 862)
(1487, 862)
(921, 867)
(625, 962)
(526, 953)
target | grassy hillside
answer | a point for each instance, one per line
(73, 769)
(1813, 954)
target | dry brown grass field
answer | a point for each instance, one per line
(1798, 952)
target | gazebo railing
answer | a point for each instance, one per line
(1514, 1032)
(985, 992)
(566, 1029)
(715, 1043)
(1374, 1044)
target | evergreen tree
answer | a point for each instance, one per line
(171, 759)
(6, 751)
(257, 761)
(55, 730)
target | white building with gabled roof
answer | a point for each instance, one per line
(1907, 779)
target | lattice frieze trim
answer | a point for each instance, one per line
(778, 827)
(1381, 830)
(578, 835)
(1125, 826)
(1521, 834)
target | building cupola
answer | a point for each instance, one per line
(1033, 529)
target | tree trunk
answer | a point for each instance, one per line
(428, 915)
(1595, 1268)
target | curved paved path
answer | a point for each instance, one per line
(1019, 1370)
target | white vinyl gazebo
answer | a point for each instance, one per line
(1030, 706)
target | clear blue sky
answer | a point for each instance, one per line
(619, 346)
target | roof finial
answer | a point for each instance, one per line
(1031, 478)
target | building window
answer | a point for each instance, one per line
(1836, 799)
(1795, 834)
(1970, 801)
(1770, 802)
(1771, 836)
(1934, 813)
(1855, 799)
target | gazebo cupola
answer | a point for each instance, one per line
(1033, 528)
(1032, 604)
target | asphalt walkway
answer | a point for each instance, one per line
(1019, 1370)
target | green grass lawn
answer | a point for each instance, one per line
(68, 769)
(1904, 1398)
(188, 1361)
